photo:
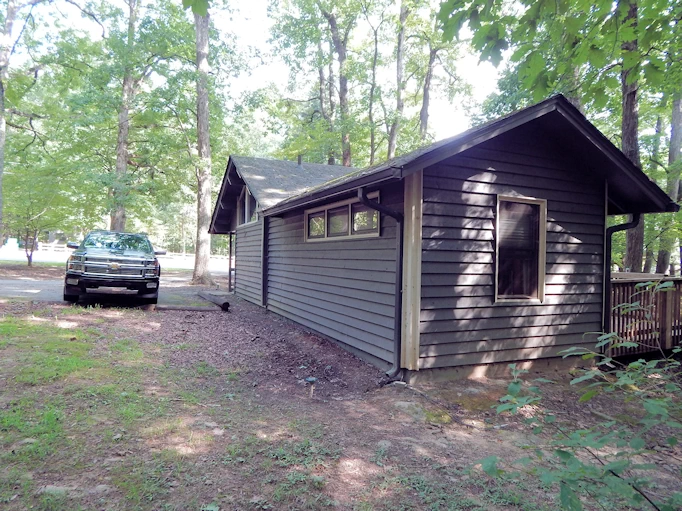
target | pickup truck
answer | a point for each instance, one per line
(113, 259)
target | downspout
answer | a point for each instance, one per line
(229, 263)
(264, 259)
(395, 372)
(606, 326)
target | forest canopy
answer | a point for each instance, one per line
(100, 101)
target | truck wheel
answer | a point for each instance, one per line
(148, 297)
(70, 298)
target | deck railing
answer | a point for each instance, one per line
(656, 324)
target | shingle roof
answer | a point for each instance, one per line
(272, 181)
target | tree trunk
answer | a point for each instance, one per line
(5, 52)
(331, 160)
(672, 184)
(119, 191)
(372, 89)
(340, 43)
(323, 91)
(424, 113)
(203, 246)
(399, 104)
(648, 260)
(634, 251)
(573, 93)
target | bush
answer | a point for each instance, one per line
(605, 465)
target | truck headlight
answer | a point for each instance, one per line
(152, 271)
(75, 263)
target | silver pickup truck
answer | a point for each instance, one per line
(113, 259)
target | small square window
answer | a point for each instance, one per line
(338, 221)
(365, 220)
(316, 225)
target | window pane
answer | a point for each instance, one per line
(316, 225)
(518, 243)
(365, 220)
(338, 221)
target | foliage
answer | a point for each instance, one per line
(63, 101)
(606, 462)
(583, 41)
(307, 115)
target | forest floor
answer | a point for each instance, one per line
(113, 409)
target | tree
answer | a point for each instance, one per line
(375, 27)
(428, 53)
(341, 19)
(400, 82)
(203, 171)
(7, 48)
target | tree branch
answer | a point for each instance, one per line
(90, 15)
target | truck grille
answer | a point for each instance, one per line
(113, 267)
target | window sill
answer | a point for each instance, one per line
(343, 238)
(518, 301)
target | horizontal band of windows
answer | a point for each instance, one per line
(339, 220)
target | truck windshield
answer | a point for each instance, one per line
(117, 241)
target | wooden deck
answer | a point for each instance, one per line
(651, 319)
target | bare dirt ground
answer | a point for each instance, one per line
(174, 410)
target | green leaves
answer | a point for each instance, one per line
(589, 375)
(603, 461)
(489, 466)
(568, 498)
(199, 7)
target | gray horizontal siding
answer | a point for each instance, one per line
(459, 322)
(343, 289)
(248, 272)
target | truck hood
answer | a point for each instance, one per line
(103, 252)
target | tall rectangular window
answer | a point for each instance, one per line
(521, 226)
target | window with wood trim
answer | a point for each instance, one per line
(521, 235)
(343, 219)
(247, 207)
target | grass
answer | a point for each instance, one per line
(33, 429)
(94, 404)
(48, 353)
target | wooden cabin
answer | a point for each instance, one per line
(482, 249)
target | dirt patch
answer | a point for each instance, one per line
(131, 409)
(264, 349)
(37, 272)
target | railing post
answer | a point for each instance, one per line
(666, 318)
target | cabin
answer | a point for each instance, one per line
(486, 248)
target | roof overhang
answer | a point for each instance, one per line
(223, 219)
(386, 175)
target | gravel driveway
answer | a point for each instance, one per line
(45, 284)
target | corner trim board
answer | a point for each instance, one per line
(412, 266)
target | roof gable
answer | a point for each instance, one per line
(269, 182)
(272, 181)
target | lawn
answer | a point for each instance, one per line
(128, 409)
